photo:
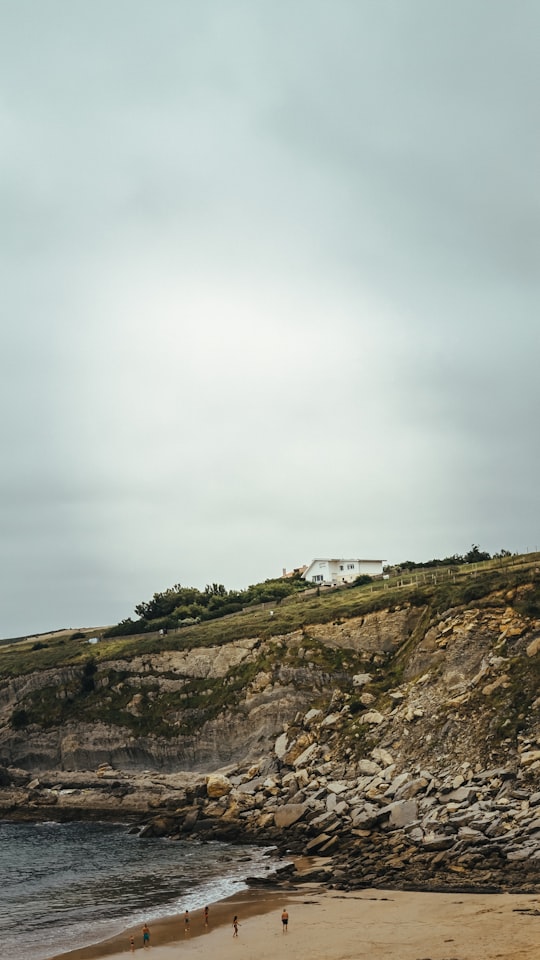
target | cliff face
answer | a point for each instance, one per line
(179, 710)
(402, 746)
(459, 687)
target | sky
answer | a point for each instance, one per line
(269, 291)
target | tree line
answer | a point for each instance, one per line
(474, 555)
(178, 606)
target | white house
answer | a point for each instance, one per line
(333, 572)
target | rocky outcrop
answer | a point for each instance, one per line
(374, 824)
(402, 748)
(168, 711)
(373, 635)
(59, 725)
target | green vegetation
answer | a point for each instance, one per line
(96, 683)
(511, 703)
(529, 605)
(474, 555)
(180, 606)
(91, 690)
(437, 589)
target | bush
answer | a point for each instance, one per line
(87, 681)
(127, 628)
(19, 719)
(529, 605)
(475, 591)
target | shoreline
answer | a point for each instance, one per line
(166, 931)
(328, 924)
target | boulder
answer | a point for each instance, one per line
(402, 813)
(331, 720)
(437, 841)
(217, 785)
(306, 755)
(533, 647)
(366, 699)
(337, 786)
(397, 782)
(461, 795)
(297, 748)
(264, 821)
(501, 682)
(316, 843)
(368, 768)
(372, 717)
(366, 816)
(190, 819)
(411, 789)
(380, 755)
(311, 717)
(529, 757)
(288, 814)
(360, 679)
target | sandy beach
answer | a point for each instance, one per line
(332, 925)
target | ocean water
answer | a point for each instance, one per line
(68, 885)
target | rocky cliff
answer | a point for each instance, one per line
(403, 745)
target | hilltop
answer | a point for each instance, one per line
(393, 726)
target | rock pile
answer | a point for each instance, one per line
(372, 824)
(471, 828)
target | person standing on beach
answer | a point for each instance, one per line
(146, 935)
(206, 915)
(132, 944)
(235, 926)
(186, 922)
(284, 920)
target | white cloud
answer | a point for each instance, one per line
(270, 289)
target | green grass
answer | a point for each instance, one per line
(439, 589)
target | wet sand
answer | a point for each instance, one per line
(331, 925)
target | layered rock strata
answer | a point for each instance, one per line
(400, 749)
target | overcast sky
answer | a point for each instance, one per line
(269, 291)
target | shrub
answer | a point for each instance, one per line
(87, 680)
(19, 719)
(362, 579)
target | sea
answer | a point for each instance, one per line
(69, 885)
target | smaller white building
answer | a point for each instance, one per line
(324, 572)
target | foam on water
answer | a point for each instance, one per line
(67, 885)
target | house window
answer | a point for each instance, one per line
(341, 567)
(350, 566)
(318, 578)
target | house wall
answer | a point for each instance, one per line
(319, 572)
(345, 571)
(341, 571)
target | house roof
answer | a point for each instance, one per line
(310, 566)
(342, 560)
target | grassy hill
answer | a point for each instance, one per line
(439, 587)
